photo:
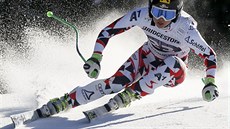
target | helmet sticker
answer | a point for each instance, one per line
(165, 1)
(164, 6)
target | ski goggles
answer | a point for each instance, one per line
(166, 14)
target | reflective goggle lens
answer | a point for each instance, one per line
(164, 13)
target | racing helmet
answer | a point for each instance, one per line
(167, 9)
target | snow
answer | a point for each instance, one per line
(53, 68)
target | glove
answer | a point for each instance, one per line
(210, 91)
(92, 65)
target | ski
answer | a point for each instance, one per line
(98, 112)
(95, 113)
(24, 118)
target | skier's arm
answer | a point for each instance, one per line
(92, 65)
(119, 26)
(201, 48)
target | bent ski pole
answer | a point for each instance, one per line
(50, 14)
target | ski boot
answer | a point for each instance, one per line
(120, 100)
(54, 106)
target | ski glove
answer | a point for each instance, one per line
(210, 91)
(92, 65)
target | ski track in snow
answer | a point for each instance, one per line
(185, 113)
(55, 69)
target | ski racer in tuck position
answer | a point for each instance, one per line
(161, 61)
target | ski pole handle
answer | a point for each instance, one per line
(50, 14)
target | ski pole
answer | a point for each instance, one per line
(50, 14)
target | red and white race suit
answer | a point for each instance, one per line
(161, 61)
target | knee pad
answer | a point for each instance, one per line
(177, 70)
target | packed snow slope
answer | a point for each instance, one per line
(54, 68)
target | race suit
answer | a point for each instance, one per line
(161, 61)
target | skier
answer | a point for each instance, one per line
(161, 61)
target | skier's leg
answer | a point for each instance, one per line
(126, 74)
(132, 69)
(170, 72)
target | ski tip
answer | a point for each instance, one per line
(24, 118)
